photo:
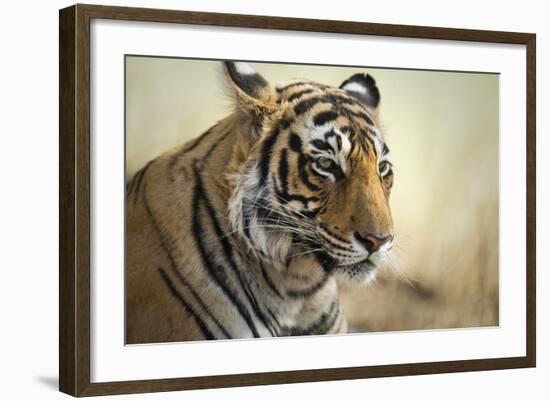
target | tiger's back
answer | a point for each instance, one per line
(164, 266)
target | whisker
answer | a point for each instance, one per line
(307, 252)
(394, 264)
(272, 227)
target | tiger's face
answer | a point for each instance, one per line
(317, 179)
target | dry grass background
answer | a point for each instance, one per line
(442, 128)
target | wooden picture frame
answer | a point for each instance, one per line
(74, 204)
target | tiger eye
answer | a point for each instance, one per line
(384, 167)
(325, 163)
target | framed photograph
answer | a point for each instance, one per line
(250, 200)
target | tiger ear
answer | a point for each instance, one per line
(253, 93)
(363, 88)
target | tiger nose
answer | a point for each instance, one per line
(371, 242)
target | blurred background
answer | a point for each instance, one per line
(442, 129)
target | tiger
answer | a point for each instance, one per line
(251, 229)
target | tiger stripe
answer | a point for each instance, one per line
(181, 279)
(216, 272)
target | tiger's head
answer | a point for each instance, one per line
(313, 173)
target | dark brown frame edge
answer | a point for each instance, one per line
(74, 199)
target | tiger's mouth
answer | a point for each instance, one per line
(361, 272)
(366, 264)
(333, 264)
